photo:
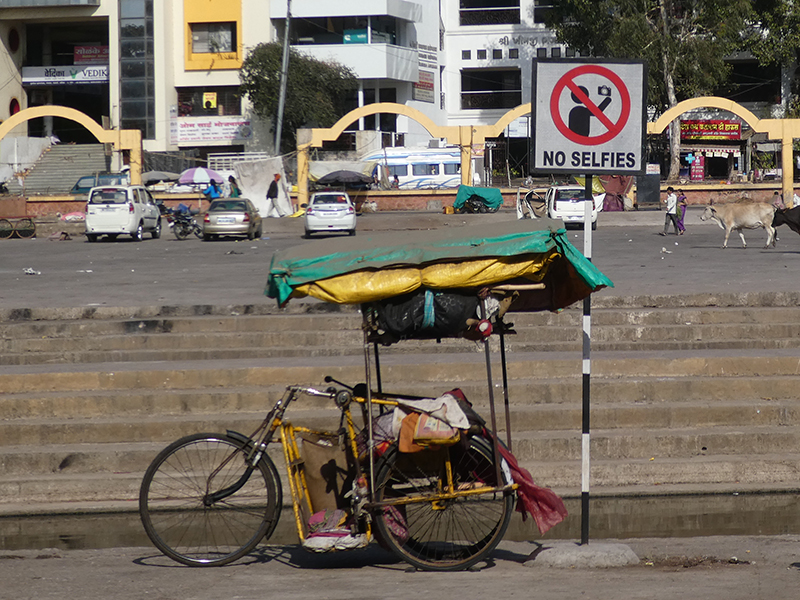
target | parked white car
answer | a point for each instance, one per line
(330, 211)
(113, 210)
(565, 202)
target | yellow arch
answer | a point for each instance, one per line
(785, 130)
(707, 102)
(464, 136)
(122, 139)
(327, 135)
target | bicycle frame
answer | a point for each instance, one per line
(294, 463)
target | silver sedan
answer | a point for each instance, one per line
(231, 216)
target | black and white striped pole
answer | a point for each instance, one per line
(587, 365)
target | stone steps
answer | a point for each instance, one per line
(686, 397)
(217, 337)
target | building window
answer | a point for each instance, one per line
(555, 52)
(570, 53)
(466, 54)
(200, 102)
(541, 53)
(541, 9)
(497, 54)
(137, 67)
(513, 53)
(490, 88)
(481, 54)
(214, 38)
(489, 12)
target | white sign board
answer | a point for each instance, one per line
(208, 130)
(65, 74)
(588, 117)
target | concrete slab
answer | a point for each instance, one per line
(572, 555)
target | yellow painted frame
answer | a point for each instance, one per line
(122, 139)
(212, 11)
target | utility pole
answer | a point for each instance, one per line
(284, 77)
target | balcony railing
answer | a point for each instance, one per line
(489, 16)
(489, 99)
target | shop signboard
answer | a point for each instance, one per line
(718, 129)
(211, 130)
(65, 75)
(90, 55)
(697, 170)
(423, 89)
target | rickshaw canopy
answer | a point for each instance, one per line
(382, 265)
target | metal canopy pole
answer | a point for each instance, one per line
(501, 325)
(495, 442)
(371, 452)
(587, 364)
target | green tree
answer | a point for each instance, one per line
(683, 42)
(316, 93)
(775, 39)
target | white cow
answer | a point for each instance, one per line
(744, 215)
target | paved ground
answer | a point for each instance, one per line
(627, 248)
(715, 568)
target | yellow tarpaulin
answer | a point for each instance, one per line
(373, 285)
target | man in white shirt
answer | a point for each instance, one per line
(672, 212)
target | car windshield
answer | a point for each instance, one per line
(108, 196)
(330, 199)
(235, 205)
(569, 194)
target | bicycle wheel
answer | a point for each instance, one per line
(25, 228)
(178, 520)
(442, 535)
(6, 229)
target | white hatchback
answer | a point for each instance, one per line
(330, 211)
(122, 209)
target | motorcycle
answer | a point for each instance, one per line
(182, 222)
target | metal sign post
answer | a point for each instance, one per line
(588, 206)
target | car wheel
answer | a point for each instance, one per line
(206, 237)
(307, 234)
(138, 235)
(92, 237)
(594, 226)
(251, 235)
(156, 233)
(351, 232)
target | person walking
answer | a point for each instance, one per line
(681, 212)
(672, 214)
(212, 192)
(236, 192)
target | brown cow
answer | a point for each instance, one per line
(742, 215)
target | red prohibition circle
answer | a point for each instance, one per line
(613, 128)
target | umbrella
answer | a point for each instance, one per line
(200, 175)
(343, 178)
(149, 177)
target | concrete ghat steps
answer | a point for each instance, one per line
(267, 336)
(675, 410)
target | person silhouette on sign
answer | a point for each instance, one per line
(580, 116)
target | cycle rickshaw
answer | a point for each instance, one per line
(427, 477)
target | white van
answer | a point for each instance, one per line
(121, 209)
(422, 168)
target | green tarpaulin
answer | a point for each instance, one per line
(323, 259)
(491, 197)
